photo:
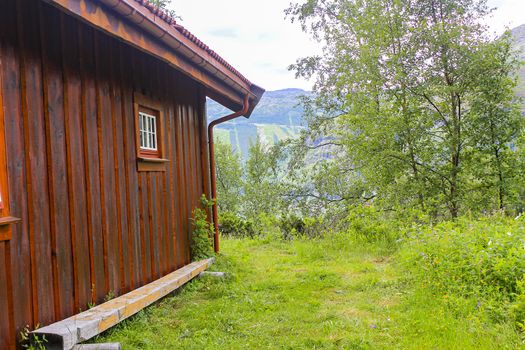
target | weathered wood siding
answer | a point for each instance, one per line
(92, 225)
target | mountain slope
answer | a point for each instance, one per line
(519, 36)
(278, 116)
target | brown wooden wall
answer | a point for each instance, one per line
(92, 225)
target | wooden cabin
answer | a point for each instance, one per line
(103, 151)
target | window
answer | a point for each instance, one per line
(148, 123)
(149, 142)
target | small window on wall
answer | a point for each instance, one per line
(148, 135)
(149, 130)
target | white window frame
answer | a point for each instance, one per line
(148, 132)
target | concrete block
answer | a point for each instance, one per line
(213, 274)
(101, 346)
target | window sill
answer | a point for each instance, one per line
(8, 220)
(151, 164)
(5, 230)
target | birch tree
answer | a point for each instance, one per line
(399, 87)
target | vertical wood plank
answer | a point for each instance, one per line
(145, 229)
(7, 337)
(92, 162)
(152, 227)
(188, 172)
(173, 178)
(7, 319)
(166, 185)
(36, 163)
(180, 193)
(189, 150)
(56, 154)
(132, 187)
(107, 168)
(184, 186)
(119, 166)
(206, 184)
(100, 91)
(13, 121)
(195, 144)
(164, 241)
(80, 239)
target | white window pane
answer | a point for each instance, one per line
(148, 131)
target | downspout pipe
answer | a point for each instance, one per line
(243, 111)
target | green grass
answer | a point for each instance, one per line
(308, 294)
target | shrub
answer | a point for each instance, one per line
(368, 224)
(233, 226)
(481, 262)
(291, 226)
(201, 238)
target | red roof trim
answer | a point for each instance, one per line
(169, 20)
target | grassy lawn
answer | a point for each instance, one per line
(311, 294)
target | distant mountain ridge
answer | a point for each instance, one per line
(519, 43)
(278, 116)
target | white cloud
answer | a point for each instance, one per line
(253, 36)
(508, 14)
(256, 38)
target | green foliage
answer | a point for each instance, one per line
(414, 103)
(32, 341)
(263, 184)
(292, 226)
(109, 296)
(253, 189)
(231, 225)
(475, 265)
(368, 224)
(326, 293)
(230, 180)
(201, 237)
(164, 4)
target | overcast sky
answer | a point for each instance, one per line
(255, 37)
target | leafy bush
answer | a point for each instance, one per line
(233, 226)
(201, 238)
(473, 262)
(291, 226)
(368, 224)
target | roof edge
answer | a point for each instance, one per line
(155, 21)
(152, 31)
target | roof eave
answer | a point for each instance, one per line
(223, 83)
